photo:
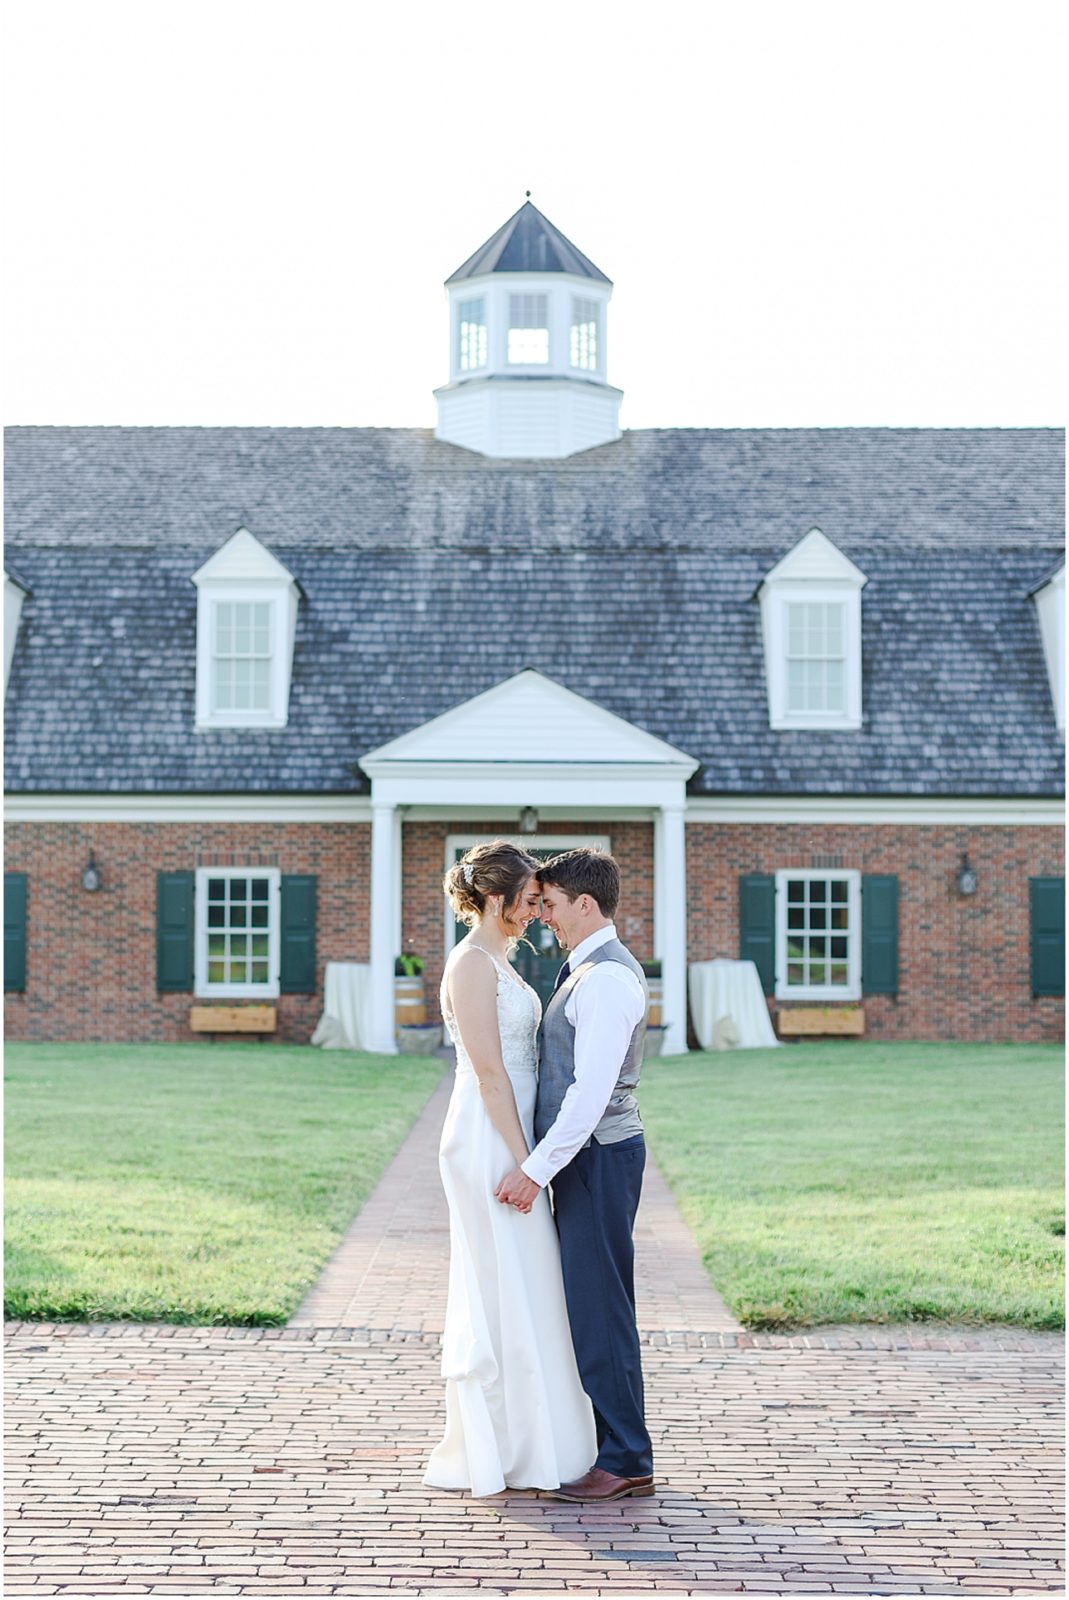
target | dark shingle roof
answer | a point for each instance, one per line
(528, 242)
(627, 573)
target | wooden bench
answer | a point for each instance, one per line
(813, 1021)
(233, 1019)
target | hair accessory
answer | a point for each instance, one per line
(469, 873)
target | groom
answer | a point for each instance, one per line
(591, 1147)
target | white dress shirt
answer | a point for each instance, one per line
(604, 1006)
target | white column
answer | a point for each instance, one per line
(385, 867)
(670, 920)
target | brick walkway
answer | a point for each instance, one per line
(194, 1461)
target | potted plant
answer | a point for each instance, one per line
(655, 984)
(409, 1003)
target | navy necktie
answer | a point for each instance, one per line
(564, 973)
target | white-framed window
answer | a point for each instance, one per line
(246, 631)
(528, 342)
(584, 344)
(471, 335)
(238, 925)
(818, 935)
(241, 655)
(811, 626)
(816, 658)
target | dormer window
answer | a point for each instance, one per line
(584, 335)
(246, 628)
(241, 661)
(811, 625)
(15, 592)
(1049, 597)
(528, 330)
(471, 335)
(816, 657)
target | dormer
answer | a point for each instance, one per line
(246, 625)
(15, 592)
(527, 367)
(1049, 597)
(811, 627)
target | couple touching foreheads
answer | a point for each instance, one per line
(541, 1351)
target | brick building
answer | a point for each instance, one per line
(264, 683)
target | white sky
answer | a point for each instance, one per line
(814, 214)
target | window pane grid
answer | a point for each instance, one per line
(238, 932)
(472, 335)
(528, 343)
(584, 334)
(819, 933)
(816, 657)
(242, 656)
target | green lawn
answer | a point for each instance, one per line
(196, 1183)
(849, 1182)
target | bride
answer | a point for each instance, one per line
(516, 1413)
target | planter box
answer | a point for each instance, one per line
(419, 1039)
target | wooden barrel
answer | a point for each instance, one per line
(656, 988)
(409, 1005)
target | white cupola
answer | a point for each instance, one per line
(527, 315)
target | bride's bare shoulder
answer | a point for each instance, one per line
(468, 975)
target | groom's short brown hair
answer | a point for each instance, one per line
(585, 871)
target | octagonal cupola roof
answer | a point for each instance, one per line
(528, 242)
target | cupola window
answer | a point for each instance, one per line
(528, 330)
(472, 335)
(584, 335)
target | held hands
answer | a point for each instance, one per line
(517, 1190)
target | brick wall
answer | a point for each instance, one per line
(423, 913)
(963, 962)
(91, 958)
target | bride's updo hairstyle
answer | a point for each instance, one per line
(484, 872)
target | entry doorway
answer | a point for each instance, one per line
(539, 957)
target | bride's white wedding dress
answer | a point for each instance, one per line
(516, 1413)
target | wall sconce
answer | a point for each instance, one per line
(528, 820)
(967, 879)
(91, 879)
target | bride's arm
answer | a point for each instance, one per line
(473, 995)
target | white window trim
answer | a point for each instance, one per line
(851, 990)
(283, 606)
(1050, 606)
(204, 990)
(775, 598)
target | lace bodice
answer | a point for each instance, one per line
(519, 1011)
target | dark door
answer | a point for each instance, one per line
(538, 957)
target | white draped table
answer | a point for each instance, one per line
(346, 1007)
(729, 990)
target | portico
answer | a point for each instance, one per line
(528, 745)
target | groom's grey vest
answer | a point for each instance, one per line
(556, 1068)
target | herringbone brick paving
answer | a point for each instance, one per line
(195, 1461)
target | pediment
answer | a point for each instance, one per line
(241, 558)
(816, 559)
(531, 719)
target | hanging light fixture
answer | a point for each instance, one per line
(91, 879)
(528, 820)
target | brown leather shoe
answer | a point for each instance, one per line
(597, 1484)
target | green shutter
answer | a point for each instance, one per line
(1046, 898)
(174, 932)
(298, 974)
(879, 934)
(757, 925)
(15, 930)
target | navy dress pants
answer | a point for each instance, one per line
(595, 1198)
